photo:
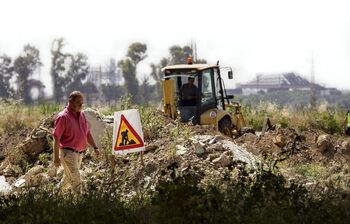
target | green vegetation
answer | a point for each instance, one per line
(267, 198)
(312, 171)
(324, 117)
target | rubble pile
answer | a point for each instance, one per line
(205, 151)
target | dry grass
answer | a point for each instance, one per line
(19, 116)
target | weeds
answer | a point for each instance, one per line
(49, 108)
(106, 146)
(13, 124)
(327, 119)
(45, 158)
(152, 123)
(312, 171)
(266, 198)
(18, 158)
(126, 102)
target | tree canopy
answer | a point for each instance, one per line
(6, 73)
(25, 65)
(136, 53)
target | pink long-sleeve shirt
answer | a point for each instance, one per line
(71, 129)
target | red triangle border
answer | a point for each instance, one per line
(116, 147)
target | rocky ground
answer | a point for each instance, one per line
(198, 149)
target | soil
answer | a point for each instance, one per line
(8, 141)
(301, 146)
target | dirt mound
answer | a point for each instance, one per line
(9, 141)
(299, 146)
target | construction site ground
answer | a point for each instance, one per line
(310, 157)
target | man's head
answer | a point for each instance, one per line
(190, 80)
(76, 100)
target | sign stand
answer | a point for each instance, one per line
(141, 154)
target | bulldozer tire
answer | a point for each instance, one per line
(244, 130)
(225, 126)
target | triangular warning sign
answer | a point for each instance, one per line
(127, 137)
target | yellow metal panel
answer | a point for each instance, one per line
(212, 117)
(205, 119)
(168, 90)
(208, 118)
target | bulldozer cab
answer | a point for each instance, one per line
(196, 89)
(195, 93)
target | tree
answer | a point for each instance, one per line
(129, 74)
(6, 73)
(25, 65)
(145, 90)
(136, 53)
(77, 72)
(88, 89)
(179, 55)
(113, 92)
(58, 69)
(201, 61)
(113, 75)
(157, 75)
(68, 71)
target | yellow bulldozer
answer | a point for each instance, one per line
(209, 103)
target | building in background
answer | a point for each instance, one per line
(104, 76)
(265, 83)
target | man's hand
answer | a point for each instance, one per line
(97, 153)
(57, 162)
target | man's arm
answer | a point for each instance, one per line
(91, 142)
(56, 147)
(60, 125)
(181, 93)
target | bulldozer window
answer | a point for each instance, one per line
(207, 87)
(217, 87)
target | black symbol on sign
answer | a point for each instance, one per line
(125, 139)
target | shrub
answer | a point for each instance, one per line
(152, 122)
(106, 146)
(266, 197)
(126, 102)
(326, 121)
(13, 124)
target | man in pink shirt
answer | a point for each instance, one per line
(71, 135)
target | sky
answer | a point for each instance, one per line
(251, 36)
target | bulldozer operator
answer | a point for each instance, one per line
(188, 93)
